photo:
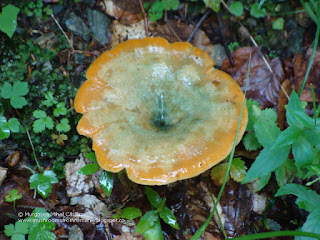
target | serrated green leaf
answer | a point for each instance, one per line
(41, 213)
(257, 12)
(18, 236)
(303, 152)
(285, 173)
(39, 114)
(269, 159)
(17, 231)
(8, 19)
(312, 224)
(14, 125)
(9, 230)
(312, 136)
(18, 102)
(249, 104)
(129, 213)
(218, 172)
(288, 136)
(153, 197)
(20, 88)
(295, 113)
(41, 234)
(156, 11)
(22, 227)
(42, 122)
(63, 126)
(265, 126)
(170, 4)
(236, 8)
(238, 169)
(4, 129)
(147, 221)
(60, 109)
(15, 93)
(43, 182)
(6, 91)
(213, 4)
(261, 182)
(169, 218)
(89, 169)
(305, 195)
(106, 181)
(50, 100)
(251, 142)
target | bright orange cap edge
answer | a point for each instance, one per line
(184, 169)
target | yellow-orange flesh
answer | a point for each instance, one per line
(159, 110)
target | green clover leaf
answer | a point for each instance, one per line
(42, 122)
(50, 100)
(13, 195)
(13, 125)
(60, 109)
(15, 93)
(63, 126)
(43, 182)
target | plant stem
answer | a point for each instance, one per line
(314, 105)
(315, 44)
(33, 149)
(145, 18)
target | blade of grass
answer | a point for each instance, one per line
(268, 235)
(219, 218)
(316, 18)
(314, 105)
(206, 223)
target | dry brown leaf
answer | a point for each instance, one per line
(263, 85)
(299, 68)
(129, 236)
(13, 159)
(126, 11)
(282, 102)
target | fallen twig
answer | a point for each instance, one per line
(224, 40)
(205, 15)
(145, 18)
(64, 33)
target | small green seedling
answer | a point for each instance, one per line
(37, 226)
(12, 197)
(106, 178)
(43, 182)
(156, 10)
(129, 213)
(149, 224)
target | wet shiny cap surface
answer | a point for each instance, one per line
(160, 110)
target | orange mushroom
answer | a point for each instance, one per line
(160, 110)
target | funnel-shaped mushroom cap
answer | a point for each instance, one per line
(160, 110)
